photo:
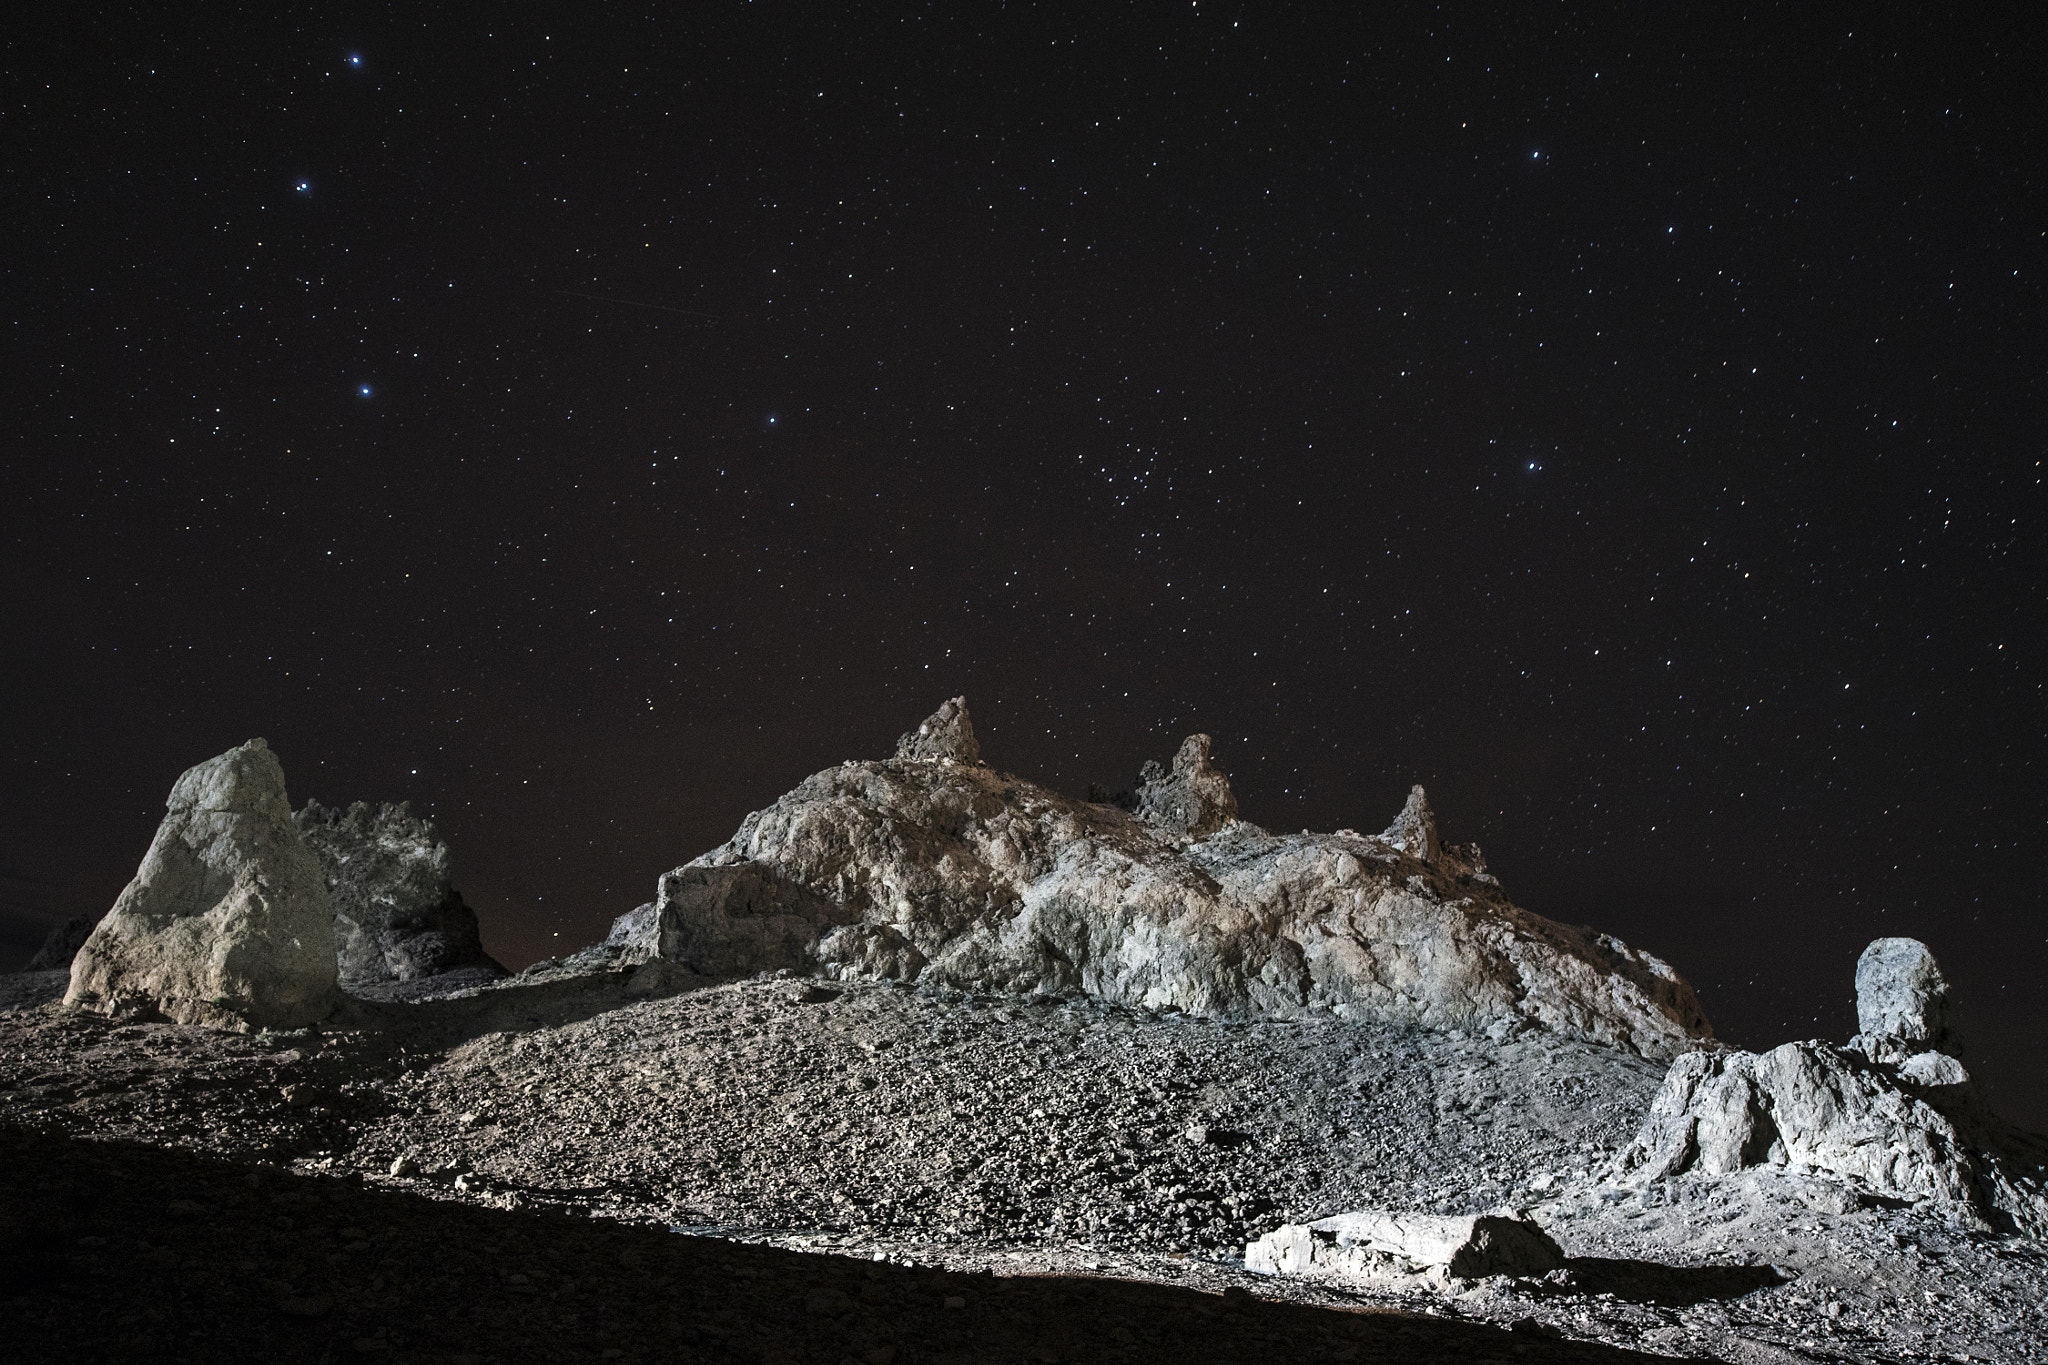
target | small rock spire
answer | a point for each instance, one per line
(947, 733)
(1194, 798)
(1414, 829)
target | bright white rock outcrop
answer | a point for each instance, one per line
(934, 868)
(1372, 1244)
(227, 921)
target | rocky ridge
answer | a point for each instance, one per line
(1025, 1127)
(931, 867)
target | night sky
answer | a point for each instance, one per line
(585, 428)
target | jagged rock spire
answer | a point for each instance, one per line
(947, 733)
(1194, 798)
(1414, 829)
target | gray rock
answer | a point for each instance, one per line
(954, 875)
(948, 734)
(741, 917)
(1193, 798)
(1900, 1126)
(397, 917)
(227, 922)
(62, 944)
(1901, 1001)
(636, 932)
(1414, 829)
(1371, 1244)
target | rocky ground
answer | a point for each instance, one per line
(849, 1159)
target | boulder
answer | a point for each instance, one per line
(953, 874)
(1901, 1001)
(397, 917)
(227, 922)
(635, 935)
(1372, 1244)
(62, 944)
(1910, 1127)
(741, 917)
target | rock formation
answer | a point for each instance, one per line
(1193, 799)
(227, 921)
(1887, 1114)
(62, 944)
(1372, 1244)
(949, 734)
(1901, 1001)
(1414, 829)
(397, 917)
(929, 867)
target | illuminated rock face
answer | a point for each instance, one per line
(1373, 1244)
(1901, 1001)
(227, 921)
(945, 872)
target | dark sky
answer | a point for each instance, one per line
(585, 428)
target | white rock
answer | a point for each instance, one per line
(1901, 1001)
(1901, 1126)
(1372, 1244)
(227, 921)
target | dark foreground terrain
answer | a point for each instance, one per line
(117, 1252)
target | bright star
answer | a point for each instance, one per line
(354, 60)
(364, 390)
(304, 186)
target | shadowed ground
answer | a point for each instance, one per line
(114, 1252)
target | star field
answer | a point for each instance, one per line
(587, 430)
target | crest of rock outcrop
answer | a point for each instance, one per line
(62, 944)
(957, 875)
(947, 734)
(397, 917)
(227, 921)
(1414, 829)
(1899, 1123)
(1192, 798)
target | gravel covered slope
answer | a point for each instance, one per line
(1035, 1136)
(877, 1110)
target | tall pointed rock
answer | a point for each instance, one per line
(947, 733)
(227, 921)
(1414, 829)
